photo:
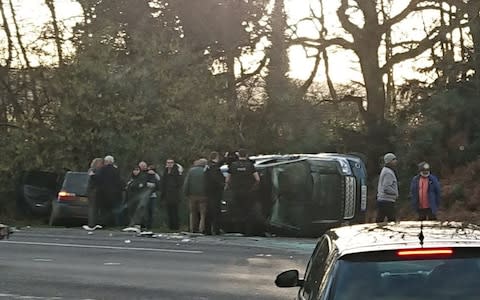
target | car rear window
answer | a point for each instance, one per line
(408, 278)
(76, 183)
(41, 179)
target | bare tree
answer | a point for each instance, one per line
(365, 40)
(8, 33)
(56, 30)
(29, 76)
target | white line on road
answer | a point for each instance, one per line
(103, 247)
(42, 259)
(111, 264)
(12, 296)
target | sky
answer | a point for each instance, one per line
(344, 64)
(34, 14)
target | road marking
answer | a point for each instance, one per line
(42, 259)
(12, 296)
(111, 264)
(103, 247)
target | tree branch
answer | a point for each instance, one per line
(322, 44)
(257, 71)
(353, 29)
(8, 34)
(421, 47)
(10, 125)
(412, 6)
(303, 89)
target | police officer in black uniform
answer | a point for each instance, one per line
(243, 180)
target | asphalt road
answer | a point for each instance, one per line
(55, 263)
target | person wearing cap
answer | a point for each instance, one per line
(387, 190)
(425, 193)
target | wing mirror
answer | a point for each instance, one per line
(288, 279)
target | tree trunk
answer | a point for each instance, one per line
(8, 33)
(56, 30)
(31, 76)
(232, 97)
(474, 19)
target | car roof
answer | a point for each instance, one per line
(76, 173)
(403, 235)
(259, 159)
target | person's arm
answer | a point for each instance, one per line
(438, 191)
(186, 188)
(257, 178)
(257, 181)
(413, 198)
(228, 179)
(163, 184)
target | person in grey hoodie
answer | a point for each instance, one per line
(387, 191)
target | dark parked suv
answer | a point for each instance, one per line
(402, 261)
(35, 192)
(72, 200)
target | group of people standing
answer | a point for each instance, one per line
(204, 186)
(425, 192)
(112, 202)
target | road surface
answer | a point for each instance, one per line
(58, 263)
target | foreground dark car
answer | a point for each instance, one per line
(402, 261)
(72, 200)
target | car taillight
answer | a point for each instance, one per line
(425, 252)
(65, 196)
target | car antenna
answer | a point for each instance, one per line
(421, 237)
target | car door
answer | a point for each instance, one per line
(315, 271)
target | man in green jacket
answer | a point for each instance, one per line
(195, 191)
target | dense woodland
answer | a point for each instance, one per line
(154, 79)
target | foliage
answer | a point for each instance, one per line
(154, 79)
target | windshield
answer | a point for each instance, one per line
(435, 279)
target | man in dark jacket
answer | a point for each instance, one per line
(244, 180)
(215, 183)
(109, 190)
(425, 193)
(93, 209)
(171, 185)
